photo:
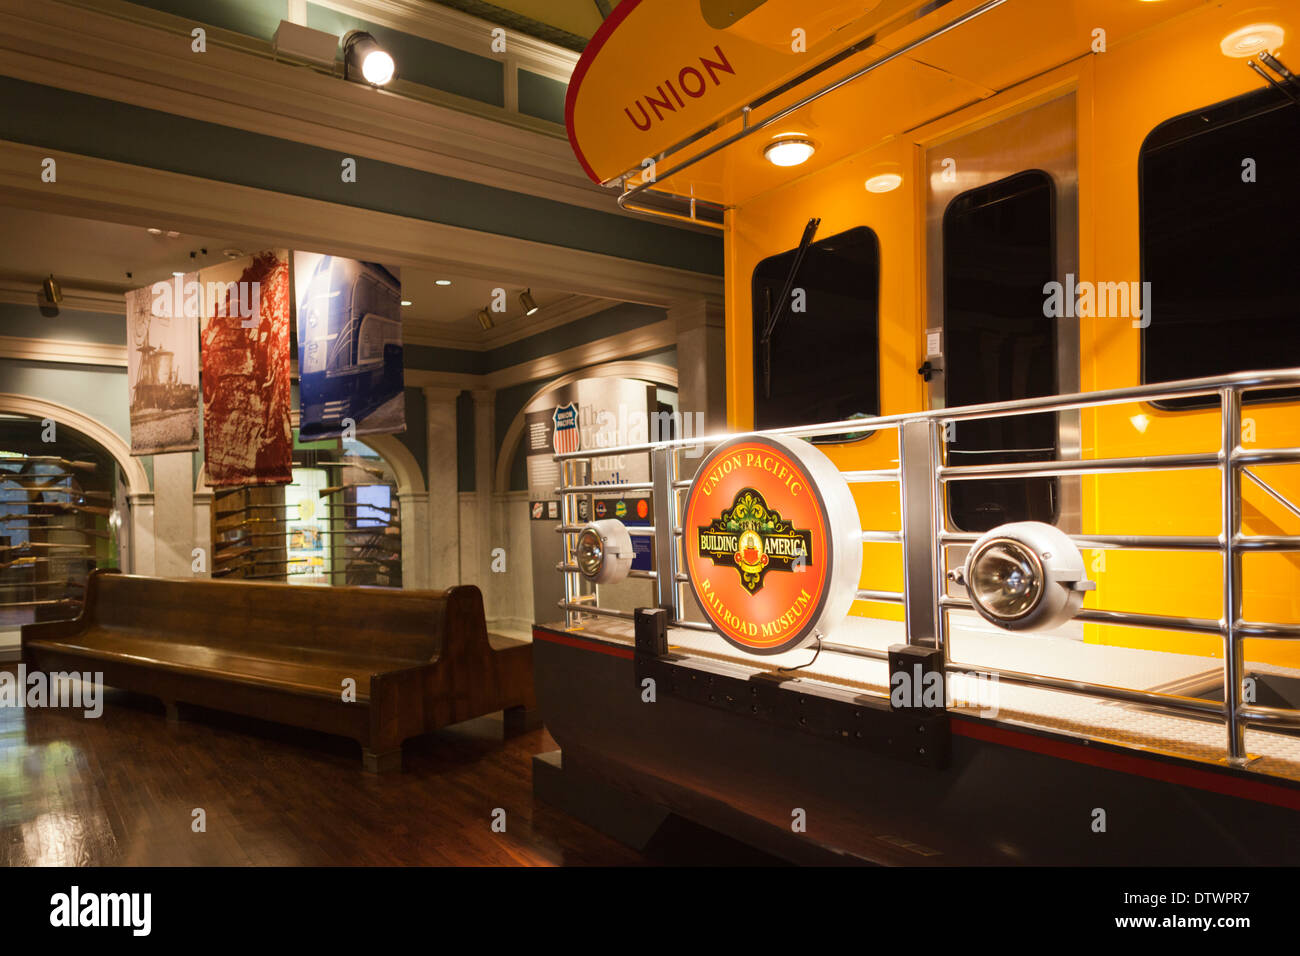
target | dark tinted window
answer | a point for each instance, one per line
(825, 360)
(1219, 251)
(998, 253)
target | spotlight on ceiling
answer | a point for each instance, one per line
(1251, 40)
(52, 291)
(1025, 576)
(485, 320)
(363, 55)
(406, 302)
(527, 301)
(604, 551)
(789, 151)
(442, 282)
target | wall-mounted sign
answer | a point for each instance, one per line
(773, 543)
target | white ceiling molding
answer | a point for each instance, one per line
(568, 310)
(648, 338)
(152, 67)
(454, 28)
(117, 192)
(61, 351)
(24, 292)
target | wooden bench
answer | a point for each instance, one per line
(419, 660)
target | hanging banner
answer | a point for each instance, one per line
(162, 365)
(246, 432)
(349, 348)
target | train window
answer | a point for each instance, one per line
(1219, 194)
(998, 253)
(824, 359)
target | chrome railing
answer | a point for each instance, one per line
(922, 476)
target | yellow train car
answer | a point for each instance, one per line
(1008, 289)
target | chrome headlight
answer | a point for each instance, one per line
(604, 551)
(1026, 576)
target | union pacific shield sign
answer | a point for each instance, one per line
(773, 543)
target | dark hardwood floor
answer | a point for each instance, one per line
(121, 790)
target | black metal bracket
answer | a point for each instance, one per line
(857, 721)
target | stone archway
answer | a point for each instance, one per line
(140, 533)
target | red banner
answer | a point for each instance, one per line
(247, 437)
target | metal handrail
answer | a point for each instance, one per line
(922, 479)
(749, 128)
(1186, 388)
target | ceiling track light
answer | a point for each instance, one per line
(364, 58)
(527, 302)
(52, 291)
(485, 319)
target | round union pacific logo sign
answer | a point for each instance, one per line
(773, 544)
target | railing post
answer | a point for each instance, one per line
(1231, 499)
(663, 473)
(916, 449)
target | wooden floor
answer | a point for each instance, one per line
(121, 790)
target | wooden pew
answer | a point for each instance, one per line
(420, 660)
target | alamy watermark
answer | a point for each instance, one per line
(229, 299)
(1098, 300)
(54, 689)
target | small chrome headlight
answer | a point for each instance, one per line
(1026, 576)
(604, 551)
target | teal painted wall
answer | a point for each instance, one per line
(96, 391)
(465, 444)
(541, 96)
(416, 436)
(254, 18)
(26, 321)
(424, 61)
(57, 119)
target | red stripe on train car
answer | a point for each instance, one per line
(582, 643)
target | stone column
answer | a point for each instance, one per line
(484, 477)
(701, 363)
(173, 485)
(444, 510)
(142, 533)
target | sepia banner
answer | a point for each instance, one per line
(163, 366)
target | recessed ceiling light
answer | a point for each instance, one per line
(789, 151)
(406, 302)
(1256, 38)
(233, 253)
(154, 231)
(173, 234)
(884, 183)
(442, 282)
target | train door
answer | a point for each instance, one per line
(1002, 223)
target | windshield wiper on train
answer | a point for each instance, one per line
(765, 342)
